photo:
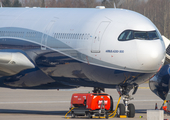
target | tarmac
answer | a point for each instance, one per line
(18, 104)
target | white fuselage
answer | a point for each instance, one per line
(92, 32)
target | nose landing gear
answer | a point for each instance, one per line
(127, 109)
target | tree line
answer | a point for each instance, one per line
(158, 11)
(11, 3)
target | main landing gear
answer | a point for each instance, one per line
(127, 109)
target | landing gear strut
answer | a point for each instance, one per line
(129, 108)
(126, 108)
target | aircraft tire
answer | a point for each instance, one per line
(131, 113)
(107, 116)
(73, 115)
(120, 110)
(89, 115)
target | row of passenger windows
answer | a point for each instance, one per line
(36, 34)
(142, 35)
(71, 36)
(11, 33)
(18, 34)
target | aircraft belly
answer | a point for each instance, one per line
(59, 66)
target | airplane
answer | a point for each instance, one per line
(58, 48)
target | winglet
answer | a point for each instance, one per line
(114, 5)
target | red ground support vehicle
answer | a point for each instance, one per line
(88, 104)
(165, 109)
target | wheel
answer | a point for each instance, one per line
(107, 116)
(89, 115)
(72, 114)
(120, 110)
(131, 112)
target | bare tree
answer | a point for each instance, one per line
(42, 3)
(51, 3)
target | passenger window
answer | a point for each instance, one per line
(71, 36)
(59, 35)
(68, 36)
(82, 36)
(79, 36)
(76, 36)
(65, 36)
(88, 36)
(85, 36)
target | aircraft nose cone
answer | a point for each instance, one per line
(151, 54)
(154, 54)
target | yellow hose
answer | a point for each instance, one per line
(164, 101)
(112, 115)
(69, 112)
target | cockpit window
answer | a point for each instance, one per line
(153, 35)
(123, 35)
(126, 35)
(129, 36)
(141, 35)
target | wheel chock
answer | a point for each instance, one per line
(123, 116)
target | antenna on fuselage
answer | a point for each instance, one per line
(114, 5)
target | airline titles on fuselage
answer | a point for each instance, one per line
(115, 51)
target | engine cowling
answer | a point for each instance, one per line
(160, 83)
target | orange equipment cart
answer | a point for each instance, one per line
(88, 104)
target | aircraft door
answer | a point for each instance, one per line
(98, 36)
(46, 34)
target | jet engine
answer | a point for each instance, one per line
(160, 83)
